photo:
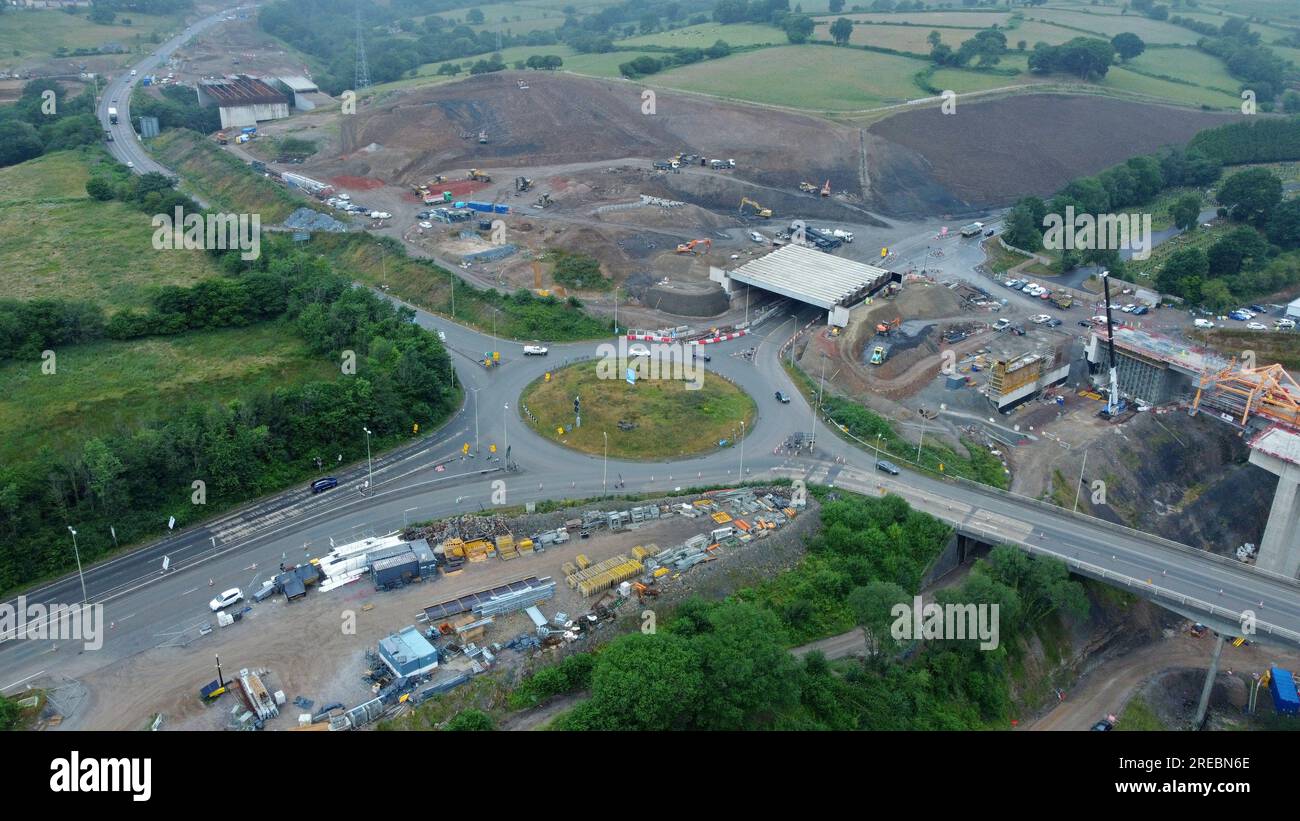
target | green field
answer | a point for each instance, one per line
(935, 19)
(102, 386)
(800, 77)
(57, 242)
(1186, 64)
(1108, 25)
(1121, 79)
(670, 420)
(964, 82)
(222, 179)
(703, 36)
(593, 65)
(899, 38)
(39, 33)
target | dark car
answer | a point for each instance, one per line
(1083, 323)
(1053, 323)
(887, 467)
(321, 485)
(706, 357)
(1018, 330)
(1259, 309)
(780, 397)
(989, 232)
(1103, 726)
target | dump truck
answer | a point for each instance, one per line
(973, 230)
(112, 116)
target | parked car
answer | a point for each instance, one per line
(1083, 323)
(1140, 310)
(1259, 309)
(1053, 323)
(782, 398)
(1128, 309)
(322, 485)
(1203, 323)
(226, 599)
(887, 467)
(1104, 726)
(1284, 324)
(1257, 326)
(1040, 319)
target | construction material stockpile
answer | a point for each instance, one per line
(604, 575)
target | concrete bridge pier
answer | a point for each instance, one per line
(1209, 680)
(1278, 452)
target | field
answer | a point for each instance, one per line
(703, 36)
(1108, 25)
(796, 76)
(1186, 64)
(1123, 80)
(670, 420)
(592, 65)
(102, 386)
(36, 34)
(57, 242)
(969, 19)
(899, 38)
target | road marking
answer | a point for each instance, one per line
(21, 680)
(191, 590)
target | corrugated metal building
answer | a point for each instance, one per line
(243, 101)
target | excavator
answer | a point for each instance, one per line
(826, 189)
(689, 247)
(885, 328)
(478, 176)
(759, 210)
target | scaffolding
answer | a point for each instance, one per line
(1268, 392)
(1013, 374)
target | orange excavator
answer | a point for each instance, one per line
(826, 189)
(689, 247)
(885, 328)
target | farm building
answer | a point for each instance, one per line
(243, 101)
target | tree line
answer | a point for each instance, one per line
(39, 123)
(133, 478)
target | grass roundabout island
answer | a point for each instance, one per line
(662, 418)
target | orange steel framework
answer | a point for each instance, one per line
(1267, 392)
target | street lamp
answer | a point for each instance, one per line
(475, 392)
(370, 466)
(878, 437)
(77, 553)
(505, 427)
(604, 473)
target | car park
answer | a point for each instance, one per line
(226, 599)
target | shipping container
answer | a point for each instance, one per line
(1282, 686)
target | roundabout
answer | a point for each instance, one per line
(653, 419)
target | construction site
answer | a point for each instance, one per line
(488, 593)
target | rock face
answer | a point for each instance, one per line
(1186, 478)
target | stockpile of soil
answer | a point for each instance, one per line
(989, 154)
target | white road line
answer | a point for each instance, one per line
(191, 590)
(21, 680)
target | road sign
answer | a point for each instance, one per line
(465, 448)
(415, 428)
(492, 448)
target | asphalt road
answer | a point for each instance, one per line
(429, 479)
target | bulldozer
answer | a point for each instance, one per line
(543, 201)
(689, 247)
(523, 183)
(759, 211)
(478, 176)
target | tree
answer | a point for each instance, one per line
(643, 682)
(1291, 102)
(798, 28)
(474, 17)
(103, 468)
(470, 719)
(1128, 45)
(750, 678)
(1186, 211)
(872, 608)
(19, 142)
(841, 30)
(836, 6)
(934, 38)
(99, 189)
(1243, 247)
(1182, 265)
(1251, 195)
(1284, 225)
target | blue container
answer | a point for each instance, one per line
(1282, 687)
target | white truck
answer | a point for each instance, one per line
(112, 115)
(847, 236)
(973, 230)
(534, 350)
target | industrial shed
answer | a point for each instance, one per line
(407, 653)
(831, 283)
(243, 101)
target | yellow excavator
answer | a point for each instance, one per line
(759, 210)
(689, 247)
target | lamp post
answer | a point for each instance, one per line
(1079, 490)
(77, 553)
(820, 392)
(370, 466)
(475, 392)
(878, 437)
(604, 473)
(505, 422)
(452, 279)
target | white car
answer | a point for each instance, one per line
(1203, 323)
(757, 237)
(1284, 324)
(426, 225)
(534, 350)
(1040, 319)
(226, 599)
(1099, 320)
(1128, 309)
(1257, 326)
(130, 164)
(638, 350)
(442, 335)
